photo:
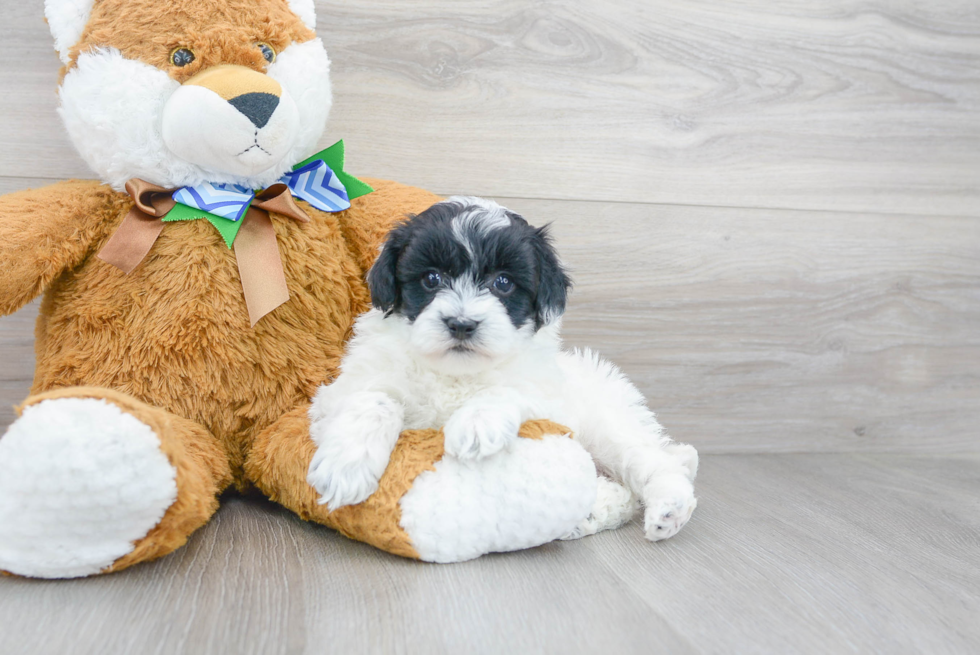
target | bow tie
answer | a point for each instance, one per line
(241, 216)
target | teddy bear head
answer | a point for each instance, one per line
(184, 92)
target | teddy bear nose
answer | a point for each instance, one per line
(258, 107)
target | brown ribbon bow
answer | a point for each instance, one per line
(259, 263)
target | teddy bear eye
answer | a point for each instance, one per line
(267, 51)
(181, 57)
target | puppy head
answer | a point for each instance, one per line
(473, 280)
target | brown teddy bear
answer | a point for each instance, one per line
(198, 294)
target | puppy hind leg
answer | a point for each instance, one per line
(614, 507)
(687, 455)
(614, 424)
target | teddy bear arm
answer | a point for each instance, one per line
(46, 231)
(435, 509)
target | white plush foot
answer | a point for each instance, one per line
(80, 482)
(534, 492)
(687, 455)
(615, 506)
(669, 502)
(479, 429)
(354, 445)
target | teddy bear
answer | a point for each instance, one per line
(196, 295)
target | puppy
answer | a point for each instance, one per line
(464, 335)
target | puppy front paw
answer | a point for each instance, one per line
(341, 484)
(354, 445)
(478, 430)
(669, 503)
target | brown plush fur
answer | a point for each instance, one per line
(171, 342)
(281, 456)
(149, 30)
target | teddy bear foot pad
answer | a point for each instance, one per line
(80, 482)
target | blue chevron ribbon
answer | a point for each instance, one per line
(317, 184)
(228, 201)
(320, 180)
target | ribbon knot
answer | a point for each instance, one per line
(242, 217)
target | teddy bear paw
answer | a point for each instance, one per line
(80, 482)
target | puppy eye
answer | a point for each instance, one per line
(503, 285)
(181, 57)
(267, 51)
(431, 280)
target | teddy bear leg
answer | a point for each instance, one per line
(437, 508)
(93, 480)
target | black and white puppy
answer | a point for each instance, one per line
(465, 335)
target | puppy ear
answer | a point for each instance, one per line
(382, 278)
(553, 281)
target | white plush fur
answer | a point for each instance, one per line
(306, 10)
(202, 127)
(80, 482)
(129, 119)
(66, 20)
(530, 494)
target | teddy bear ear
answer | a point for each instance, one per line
(67, 20)
(306, 11)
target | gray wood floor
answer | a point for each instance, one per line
(795, 553)
(771, 213)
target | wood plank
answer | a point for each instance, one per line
(787, 553)
(820, 105)
(758, 330)
(818, 553)
(10, 184)
(771, 331)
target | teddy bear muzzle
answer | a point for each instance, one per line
(231, 119)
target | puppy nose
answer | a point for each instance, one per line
(257, 107)
(461, 328)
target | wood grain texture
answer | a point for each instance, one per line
(825, 104)
(758, 331)
(776, 331)
(861, 553)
